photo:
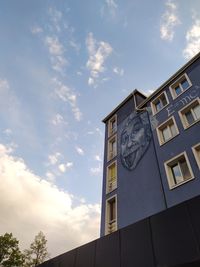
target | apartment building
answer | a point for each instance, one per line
(152, 150)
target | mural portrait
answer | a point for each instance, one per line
(135, 137)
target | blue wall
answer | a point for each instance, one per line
(139, 191)
(144, 190)
(183, 142)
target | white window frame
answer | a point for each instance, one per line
(107, 222)
(110, 130)
(110, 154)
(153, 106)
(185, 110)
(110, 186)
(168, 170)
(194, 150)
(178, 82)
(163, 125)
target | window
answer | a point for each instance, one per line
(111, 215)
(111, 177)
(167, 130)
(112, 125)
(190, 114)
(112, 148)
(178, 170)
(196, 152)
(159, 103)
(180, 85)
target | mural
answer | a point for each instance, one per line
(135, 137)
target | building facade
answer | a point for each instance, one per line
(152, 151)
(151, 181)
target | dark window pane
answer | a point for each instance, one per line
(177, 175)
(189, 117)
(163, 100)
(113, 126)
(185, 169)
(178, 90)
(112, 210)
(158, 105)
(185, 84)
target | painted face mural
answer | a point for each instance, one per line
(134, 139)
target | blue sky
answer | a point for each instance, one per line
(64, 65)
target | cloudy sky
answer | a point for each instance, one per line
(64, 65)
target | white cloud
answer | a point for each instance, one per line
(64, 167)
(149, 92)
(55, 16)
(7, 132)
(96, 130)
(169, 21)
(30, 203)
(4, 85)
(96, 170)
(13, 112)
(36, 30)
(79, 73)
(74, 45)
(59, 63)
(98, 52)
(90, 132)
(118, 71)
(111, 6)
(98, 158)
(56, 51)
(50, 176)
(55, 47)
(80, 151)
(54, 158)
(90, 81)
(193, 40)
(58, 119)
(66, 94)
(69, 164)
(99, 131)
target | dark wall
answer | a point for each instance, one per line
(168, 239)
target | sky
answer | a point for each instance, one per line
(64, 66)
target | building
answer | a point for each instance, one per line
(152, 151)
(151, 181)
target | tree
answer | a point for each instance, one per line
(37, 252)
(10, 254)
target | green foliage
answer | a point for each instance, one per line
(10, 254)
(37, 252)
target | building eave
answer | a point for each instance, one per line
(135, 91)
